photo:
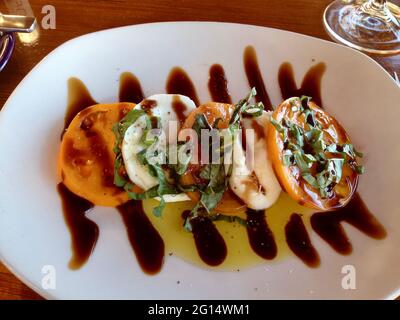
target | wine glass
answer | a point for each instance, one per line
(370, 26)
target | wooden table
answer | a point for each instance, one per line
(78, 17)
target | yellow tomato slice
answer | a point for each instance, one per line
(86, 158)
(229, 204)
(290, 176)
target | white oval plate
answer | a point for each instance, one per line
(32, 230)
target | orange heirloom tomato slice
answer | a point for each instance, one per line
(230, 204)
(86, 158)
(290, 176)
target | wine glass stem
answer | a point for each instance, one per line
(377, 4)
(379, 9)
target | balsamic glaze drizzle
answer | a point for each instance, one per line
(218, 85)
(254, 76)
(260, 236)
(299, 242)
(328, 224)
(79, 98)
(179, 108)
(84, 232)
(145, 239)
(210, 244)
(310, 86)
(130, 89)
(179, 82)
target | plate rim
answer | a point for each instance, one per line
(45, 293)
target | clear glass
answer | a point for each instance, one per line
(371, 26)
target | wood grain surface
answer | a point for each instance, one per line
(74, 18)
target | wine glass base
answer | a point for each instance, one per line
(363, 27)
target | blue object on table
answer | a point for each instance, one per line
(7, 42)
(9, 25)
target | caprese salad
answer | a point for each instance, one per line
(224, 158)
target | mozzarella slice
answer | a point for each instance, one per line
(138, 173)
(258, 188)
(162, 106)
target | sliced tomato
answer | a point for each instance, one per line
(229, 204)
(86, 158)
(290, 176)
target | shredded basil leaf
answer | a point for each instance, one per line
(222, 217)
(200, 123)
(306, 147)
(214, 174)
(164, 187)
